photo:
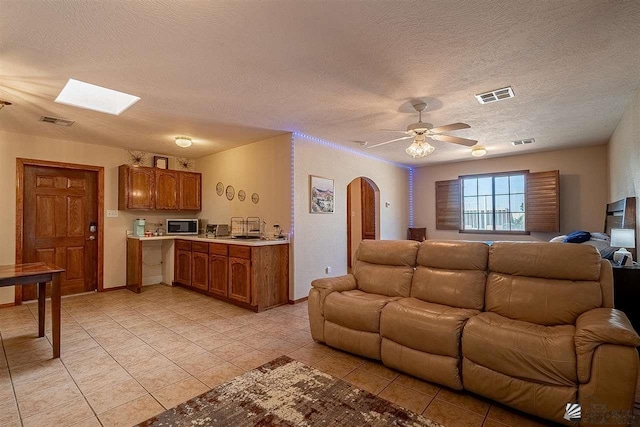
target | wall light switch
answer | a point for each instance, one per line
(328, 270)
(112, 214)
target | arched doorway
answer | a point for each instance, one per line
(363, 214)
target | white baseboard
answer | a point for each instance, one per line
(151, 280)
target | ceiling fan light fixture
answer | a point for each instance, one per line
(183, 141)
(419, 149)
(478, 151)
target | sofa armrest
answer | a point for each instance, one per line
(336, 284)
(601, 326)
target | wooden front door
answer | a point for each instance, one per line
(368, 208)
(60, 206)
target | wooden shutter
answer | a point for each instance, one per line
(448, 205)
(543, 201)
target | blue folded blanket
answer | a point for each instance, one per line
(577, 237)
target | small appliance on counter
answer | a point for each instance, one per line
(202, 226)
(138, 227)
(250, 228)
(217, 230)
(182, 226)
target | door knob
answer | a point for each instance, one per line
(92, 238)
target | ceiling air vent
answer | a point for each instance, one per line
(495, 95)
(56, 121)
(523, 141)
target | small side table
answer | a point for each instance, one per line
(626, 292)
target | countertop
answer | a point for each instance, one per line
(225, 240)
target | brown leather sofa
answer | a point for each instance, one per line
(527, 324)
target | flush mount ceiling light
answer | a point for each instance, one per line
(96, 98)
(183, 141)
(478, 151)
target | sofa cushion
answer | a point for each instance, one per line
(543, 301)
(545, 283)
(424, 326)
(545, 260)
(356, 309)
(451, 273)
(385, 267)
(543, 354)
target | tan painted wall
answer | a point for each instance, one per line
(320, 240)
(13, 145)
(583, 189)
(624, 157)
(356, 215)
(263, 167)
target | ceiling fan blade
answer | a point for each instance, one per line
(454, 139)
(387, 142)
(449, 128)
(396, 130)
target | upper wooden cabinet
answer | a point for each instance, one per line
(167, 189)
(142, 188)
(136, 188)
(190, 191)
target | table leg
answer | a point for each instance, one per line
(42, 297)
(55, 313)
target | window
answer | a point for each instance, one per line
(494, 202)
(508, 202)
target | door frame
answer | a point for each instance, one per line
(20, 165)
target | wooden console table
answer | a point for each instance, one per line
(40, 273)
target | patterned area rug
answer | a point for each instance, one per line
(285, 392)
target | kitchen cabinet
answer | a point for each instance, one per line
(200, 274)
(142, 188)
(240, 279)
(167, 189)
(253, 277)
(137, 188)
(182, 264)
(218, 278)
(190, 191)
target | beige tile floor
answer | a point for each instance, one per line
(126, 357)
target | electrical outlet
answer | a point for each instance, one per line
(328, 270)
(112, 214)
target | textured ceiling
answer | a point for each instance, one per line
(229, 73)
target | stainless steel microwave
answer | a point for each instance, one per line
(182, 226)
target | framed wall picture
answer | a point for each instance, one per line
(321, 194)
(160, 162)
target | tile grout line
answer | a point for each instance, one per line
(13, 387)
(114, 359)
(65, 366)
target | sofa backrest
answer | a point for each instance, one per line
(385, 267)
(546, 283)
(451, 273)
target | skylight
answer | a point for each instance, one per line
(97, 98)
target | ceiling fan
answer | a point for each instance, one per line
(420, 131)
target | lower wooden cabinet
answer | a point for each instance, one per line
(183, 267)
(218, 278)
(200, 275)
(240, 279)
(255, 277)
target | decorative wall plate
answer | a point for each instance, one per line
(242, 195)
(255, 198)
(220, 188)
(231, 192)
